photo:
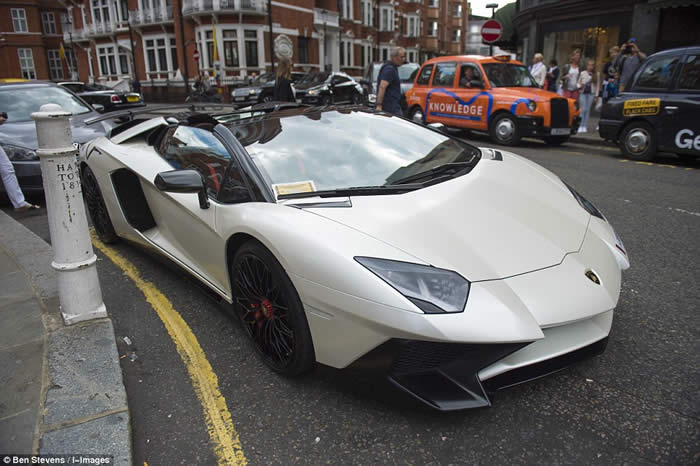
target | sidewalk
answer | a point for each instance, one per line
(592, 137)
(62, 390)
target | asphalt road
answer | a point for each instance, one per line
(638, 403)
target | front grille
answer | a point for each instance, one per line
(417, 356)
(560, 113)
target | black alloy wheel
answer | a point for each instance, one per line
(270, 310)
(96, 207)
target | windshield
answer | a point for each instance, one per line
(346, 149)
(20, 103)
(314, 79)
(407, 72)
(264, 78)
(508, 75)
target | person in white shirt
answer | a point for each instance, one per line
(588, 89)
(9, 179)
(569, 76)
(538, 70)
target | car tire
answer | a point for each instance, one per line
(638, 141)
(96, 207)
(556, 140)
(326, 100)
(504, 130)
(416, 115)
(271, 311)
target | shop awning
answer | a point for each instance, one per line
(663, 4)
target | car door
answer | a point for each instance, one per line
(184, 229)
(441, 101)
(342, 88)
(681, 109)
(472, 101)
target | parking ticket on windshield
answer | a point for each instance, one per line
(293, 188)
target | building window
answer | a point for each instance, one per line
(457, 10)
(346, 12)
(55, 64)
(26, 63)
(367, 12)
(434, 3)
(19, 20)
(161, 54)
(303, 45)
(456, 35)
(100, 11)
(433, 28)
(251, 48)
(342, 53)
(210, 48)
(231, 48)
(346, 53)
(412, 26)
(411, 56)
(384, 52)
(48, 22)
(386, 18)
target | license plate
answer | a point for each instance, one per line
(240, 99)
(132, 98)
(560, 131)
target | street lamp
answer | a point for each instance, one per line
(67, 23)
(493, 7)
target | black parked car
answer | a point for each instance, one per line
(407, 73)
(660, 108)
(18, 135)
(261, 90)
(324, 88)
(110, 99)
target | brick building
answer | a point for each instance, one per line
(155, 40)
(30, 40)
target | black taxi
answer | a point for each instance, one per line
(659, 109)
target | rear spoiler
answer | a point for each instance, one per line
(129, 114)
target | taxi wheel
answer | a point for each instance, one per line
(504, 130)
(416, 115)
(638, 141)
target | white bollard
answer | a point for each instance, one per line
(73, 258)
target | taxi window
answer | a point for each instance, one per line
(424, 77)
(445, 74)
(657, 74)
(468, 74)
(690, 74)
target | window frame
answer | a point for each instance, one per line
(454, 76)
(48, 22)
(31, 73)
(20, 19)
(671, 80)
(677, 82)
(55, 64)
(430, 76)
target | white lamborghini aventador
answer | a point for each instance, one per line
(350, 237)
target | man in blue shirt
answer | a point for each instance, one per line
(389, 87)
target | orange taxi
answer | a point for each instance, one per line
(494, 94)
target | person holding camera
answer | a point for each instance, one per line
(9, 179)
(627, 62)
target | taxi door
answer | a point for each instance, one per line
(441, 97)
(681, 110)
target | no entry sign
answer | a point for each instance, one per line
(491, 30)
(195, 55)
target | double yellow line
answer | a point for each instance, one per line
(227, 444)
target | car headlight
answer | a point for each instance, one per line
(372, 98)
(313, 92)
(432, 290)
(531, 105)
(254, 91)
(19, 154)
(585, 203)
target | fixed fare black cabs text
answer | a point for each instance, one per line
(660, 108)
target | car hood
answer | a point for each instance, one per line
(24, 133)
(306, 86)
(536, 94)
(504, 218)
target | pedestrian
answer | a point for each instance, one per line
(627, 62)
(587, 86)
(538, 70)
(552, 76)
(608, 89)
(283, 85)
(9, 179)
(569, 78)
(389, 84)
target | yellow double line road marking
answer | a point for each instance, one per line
(227, 444)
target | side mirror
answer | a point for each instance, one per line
(183, 181)
(99, 108)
